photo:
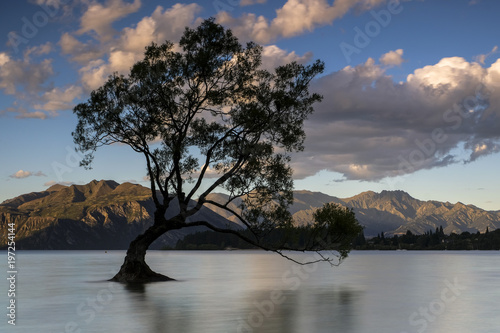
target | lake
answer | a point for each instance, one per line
(255, 291)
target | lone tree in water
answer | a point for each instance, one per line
(209, 118)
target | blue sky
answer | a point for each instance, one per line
(411, 88)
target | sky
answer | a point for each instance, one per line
(411, 88)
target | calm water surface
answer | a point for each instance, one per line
(253, 291)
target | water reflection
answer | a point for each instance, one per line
(258, 293)
(303, 310)
(266, 310)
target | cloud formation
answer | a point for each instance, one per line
(482, 57)
(24, 174)
(392, 58)
(293, 19)
(273, 56)
(119, 54)
(59, 99)
(99, 18)
(368, 127)
(163, 24)
(26, 80)
(23, 75)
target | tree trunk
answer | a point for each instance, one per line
(134, 268)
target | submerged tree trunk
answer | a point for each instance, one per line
(134, 268)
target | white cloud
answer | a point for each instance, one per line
(369, 127)
(99, 18)
(482, 57)
(24, 114)
(30, 77)
(80, 52)
(4, 58)
(294, 18)
(453, 72)
(121, 54)
(59, 100)
(392, 58)
(38, 50)
(122, 61)
(30, 82)
(21, 174)
(273, 56)
(135, 40)
(24, 174)
(94, 74)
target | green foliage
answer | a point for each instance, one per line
(335, 224)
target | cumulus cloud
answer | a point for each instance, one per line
(26, 81)
(24, 174)
(294, 18)
(368, 127)
(59, 99)
(99, 18)
(23, 74)
(38, 50)
(79, 51)
(392, 58)
(273, 56)
(94, 74)
(4, 58)
(23, 113)
(120, 54)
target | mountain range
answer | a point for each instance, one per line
(107, 215)
(99, 215)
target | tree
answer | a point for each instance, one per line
(206, 118)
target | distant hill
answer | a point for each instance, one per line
(107, 215)
(99, 215)
(394, 212)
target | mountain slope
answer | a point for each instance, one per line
(393, 212)
(108, 215)
(99, 215)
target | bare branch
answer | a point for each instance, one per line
(259, 245)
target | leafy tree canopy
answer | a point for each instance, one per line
(206, 116)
